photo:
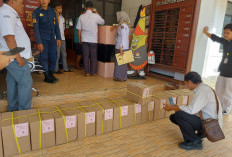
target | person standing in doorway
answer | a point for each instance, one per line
(12, 35)
(61, 50)
(47, 34)
(224, 81)
(88, 36)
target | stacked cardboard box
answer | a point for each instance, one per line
(138, 93)
(124, 114)
(184, 97)
(90, 109)
(141, 95)
(42, 128)
(65, 123)
(15, 133)
(105, 116)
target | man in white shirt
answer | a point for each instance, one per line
(188, 118)
(88, 36)
(61, 50)
(12, 34)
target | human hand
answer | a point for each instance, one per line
(58, 42)
(205, 29)
(112, 28)
(20, 60)
(167, 107)
(40, 47)
(5, 60)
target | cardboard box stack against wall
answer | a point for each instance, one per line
(15, 133)
(42, 128)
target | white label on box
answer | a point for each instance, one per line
(124, 110)
(71, 121)
(108, 114)
(146, 92)
(90, 117)
(174, 100)
(151, 106)
(47, 126)
(185, 100)
(138, 108)
(163, 102)
(21, 130)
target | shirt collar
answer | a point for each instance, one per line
(89, 11)
(10, 8)
(197, 88)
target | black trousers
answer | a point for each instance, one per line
(89, 51)
(188, 125)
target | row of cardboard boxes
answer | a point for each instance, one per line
(22, 131)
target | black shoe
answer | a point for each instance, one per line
(48, 78)
(58, 72)
(53, 77)
(197, 144)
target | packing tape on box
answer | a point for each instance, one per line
(16, 139)
(85, 115)
(65, 127)
(103, 116)
(120, 111)
(159, 107)
(146, 98)
(40, 129)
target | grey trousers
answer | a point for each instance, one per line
(89, 51)
(61, 50)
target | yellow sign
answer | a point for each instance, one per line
(127, 57)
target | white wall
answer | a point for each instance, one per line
(132, 6)
(206, 56)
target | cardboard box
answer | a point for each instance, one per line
(105, 69)
(106, 36)
(184, 98)
(148, 112)
(1, 148)
(138, 93)
(160, 100)
(42, 128)
(127, 116)
(92, 114)
(65, 123)
(15, 131)
(157, 87)
(105, 121)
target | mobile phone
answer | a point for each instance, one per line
(171, 101)
(14, 51)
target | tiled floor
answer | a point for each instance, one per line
(158, 139)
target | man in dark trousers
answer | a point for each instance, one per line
(188, 118)
(88, 36)
(48, 37)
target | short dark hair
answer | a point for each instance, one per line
(194, 77)
(89, 4)
(6, 1)
(57, 3)
(228, 26)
